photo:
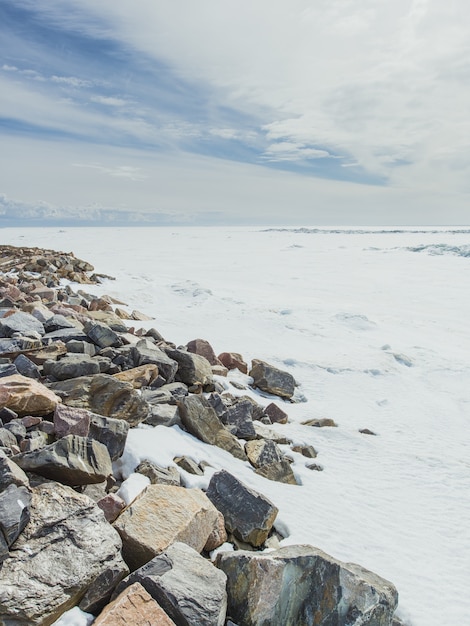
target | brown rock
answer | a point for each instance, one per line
(133, 607)
(320, 423)
(203, 348)
(162, 515)
(276, 414)
(28, 397)
(218, 536)
(233, 360)
(112, 506)
(141, 376)
(52, 352)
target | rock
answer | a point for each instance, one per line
(315, 467)
(303, 585)
(71, 366)
(11, 347)
(28, 396)
(366, 431)
(38, 310)
(71, 460)
(262, 452)
(218, 536)
(233, 360)
(169, 393)
(133, 606)
(16, 428)
(65, 335)
(272, 380)
(145, 352)
(248, 515)
(7, 439)
(203, 348)
(15, 505)
(276, 414)
(110, 432)
(11, 474)
(159, 475)
(163, 414)
(102, 335)
(141, 376)
(320, 423)
(8, 369)
(26, 367)
(187, 586)
(219, 370)
(188, 465)
(192, 368)
(264, 432)
(57, 321)
(56, 557)
(105, 395)
(71, 421)
(112, 506)
(239, 421)
(161, 515)
(81, 347)
(279, 471)
(200, 419)
(307, 451)
(23, 323)
(51, 352)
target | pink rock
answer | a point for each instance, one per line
(71, 421)
(203, 348)
(276, 414)
(233, 360)
(111, 505)
(31, 420)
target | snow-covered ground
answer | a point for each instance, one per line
(375, 328)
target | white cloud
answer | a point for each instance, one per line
(71, 81)
(289, 151)
(109, 101)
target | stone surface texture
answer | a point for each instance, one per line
(28, 397)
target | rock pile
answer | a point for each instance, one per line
(74, 378)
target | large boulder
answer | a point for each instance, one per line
(203, 348)
(102, 335)
(269, 462)
(56, 557)
(248, 515)
(201, 420)
(141, 376)
(133, 606)
(303, 585)
(271, 379)
(72, 460)
(161, 515)
(192, 368)
(105, 395)
(238, 418)
(11, 474)
(145, 352)
(28, 396)
(71, 366)
(23, 323)
(110, 432)
(187, 586)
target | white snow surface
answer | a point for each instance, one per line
(374, 326)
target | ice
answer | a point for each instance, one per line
(377, 337)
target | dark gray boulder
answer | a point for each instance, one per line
(8, 369)
(145, 352)
(26, 367)
(239, 421)
(248, 515)
(71, 366)
(110, 432)
(23, 323)
(187, 586)
(164, 414)
(102, 335)
(303, 585)
(272, 380)
(15, 503)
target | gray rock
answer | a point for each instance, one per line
(7, 439)
(110, 432)
(321, 422)
(248, 515)
(15, 503)
(279, 471)
(262, 452)
(102, 335)
(192, 368)
(238, 419)
(72, 460)
(56, 558)
(65, 335)
(8, 369)
(16, 428)
(163, 414)
(23, 323)
(307, 451)
(11, 474)
(200, 419)
(99, 592)
(272, 380)
(303, 585)
(187, 586)
(105, 395)
(82, 347)
(15, 345)
(145, 352)
(26, 367)
(188, 465)
(57, 322)
(159, 475)
(71, 366)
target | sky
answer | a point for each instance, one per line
(264, 112)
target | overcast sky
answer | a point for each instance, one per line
(285, 112)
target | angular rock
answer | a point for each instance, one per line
(239, 421)
(200, 419)
(303, 585)
(169, 393)
(71, 460)
(23, 323)
(321, 422)
(159, 475)
(188, 465)
(11, 347)
(233, 360)
(26, 367)
(161, 515)
(248, 515)
(308, 451)
(218, 536)
(15, 505)
(8, 369)
(16, 428)
(141, 376)
(81, 347)
(280, 471)
(65, 335)
(102, 335)
(262, 452)
(28, 396)
(105, 395)
(145, 352)
(187, 586)
(276, 414)
(7, 439)
(56, 557)
(203, 348)
(163, 414)
(71, 421)
(272, 380)
(192, 368)
(133, 606)
(264, 432)
(57, 322)
(112, 506)
(11, 474)
(71, 366)
(110, 432)
(52, 351)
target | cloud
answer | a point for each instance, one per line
(119, 171)
(289, 151)
(109, 101)
(71, 81)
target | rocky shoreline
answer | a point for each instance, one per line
(75, 375)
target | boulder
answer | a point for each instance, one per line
(26, 367)
(238, 419)
(262, 452)
(141, 376)
(133, 606)
(11, 347)
(102, 335)
(188, 465)
(28, 396)
(163, 414)
(7, 439)
(8, 369)
(47, 353)
(276, 414)
(265, 432)
(71, 421)
(56, 557)
(192, 368)
(145, 352)
(279, 471)
(187, 586)
(71, 366)
(112, 506)
(11, 474)
(105, 395)
(203, 348)
(303, 585)
(159, 475)
(248, 515)
(57, 321)
(71, 460)
(110, 432)
(307, 451)
(200, 419)
(81, 347)
(15, 505)
(233, 360)
(161, 515)
(169, 393)
(23, 323)
(272, 380)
